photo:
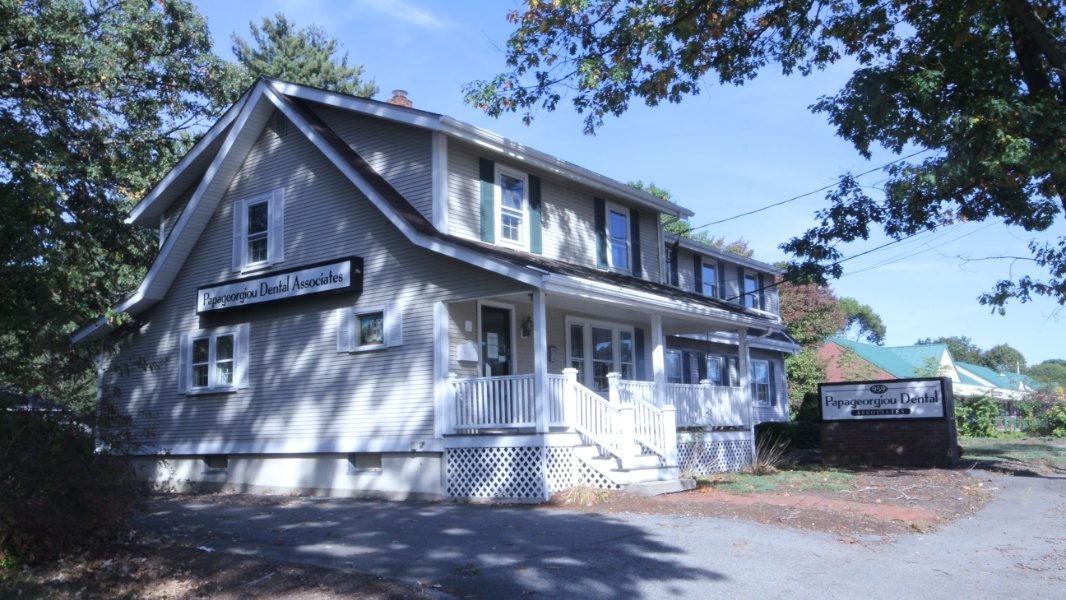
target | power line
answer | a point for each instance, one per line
(811, 193)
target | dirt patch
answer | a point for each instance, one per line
(886, 503)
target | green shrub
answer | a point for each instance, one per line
(810, 410)
(976, 416)
(1052, 423)
(806, 435)
(774, 433)
(59, 494)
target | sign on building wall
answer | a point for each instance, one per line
(897, 399)
(336, 276)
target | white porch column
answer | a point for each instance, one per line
(443, 391)
(745, 385)
(658, 358)
(540, 362)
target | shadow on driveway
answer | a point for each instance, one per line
(476, 551)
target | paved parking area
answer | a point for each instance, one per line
(1015, 547)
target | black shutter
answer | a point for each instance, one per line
(634, 241)
(762, 293)
(674, 278)
(638, 343)
(487, 174)
(536, 245)
(601, 233)
(697, 267)
(773, 383)
(686, 366)
(740, 286)
(701, 365)
(721, 280)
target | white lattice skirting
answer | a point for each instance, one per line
(517, 474)
(703, 457)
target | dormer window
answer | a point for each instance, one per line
(258, 230)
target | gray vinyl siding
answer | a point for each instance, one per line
(402, 154)
(173, 213)
(567, 218)
(301, 390)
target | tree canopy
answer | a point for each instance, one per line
(96, 103)
(863, 324)
(306, 56)
(980, 83)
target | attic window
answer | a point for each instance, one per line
(258, 231)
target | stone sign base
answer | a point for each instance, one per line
(919, 443)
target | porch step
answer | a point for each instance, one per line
(643, 468)
(658, 488)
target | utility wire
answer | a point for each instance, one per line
(811, 193)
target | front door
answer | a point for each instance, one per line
(496, 350)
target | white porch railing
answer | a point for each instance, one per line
(616, 424)
(494, 402)
(697, 405)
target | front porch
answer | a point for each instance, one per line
(537, 396)
(503, 443)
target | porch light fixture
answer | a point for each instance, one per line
(527, 327)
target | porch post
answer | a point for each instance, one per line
(627, 429)
(745, 386)
(540, 363)
(570, 397)
(658, 358)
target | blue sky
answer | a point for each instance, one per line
(721, 153)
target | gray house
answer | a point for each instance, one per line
(360, 298)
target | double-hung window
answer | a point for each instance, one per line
(213, 360)
(751, 291)
(760, 381)
(618, 237)
(710, 280)
(714, 370)
(258, 231)
(513, 212)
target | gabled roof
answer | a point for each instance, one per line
(901, 361)
(1007, 381)
(195, 164)
(211, 165)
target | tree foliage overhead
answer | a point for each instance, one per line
(306, 56)
(863, 324)
(811, 313)
(95, 105)
(981, 83)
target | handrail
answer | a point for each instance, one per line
(649, 422)
(595, 418)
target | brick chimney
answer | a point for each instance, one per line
(399, 98)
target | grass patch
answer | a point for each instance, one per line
(1049, 452)
(804, 479)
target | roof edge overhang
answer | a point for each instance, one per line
(546, 162)
(695, 246)
(630, 298)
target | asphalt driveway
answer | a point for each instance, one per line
(1015, 547)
